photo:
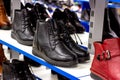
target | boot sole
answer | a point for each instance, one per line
(54, 62)
(96, 76)
(5, 27)
(83, 59)
(16, 37)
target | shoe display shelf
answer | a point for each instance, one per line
(118, 1)
(97, 14)
(83, 22)
(85, 3)
(80, 72)
(96, 21)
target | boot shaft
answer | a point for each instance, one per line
(114, 20)
(22, 22)
(17, 21)
(46, 32)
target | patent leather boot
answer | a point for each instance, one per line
(21, 27)
(2, 58)
(106, 61)
(74, 21)
(65, 37)
(4, 21)
(46, 45)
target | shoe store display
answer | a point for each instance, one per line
(4, 21)
(56, 39)
(105, 65)
(46, 45)
(64, 34)
(14, 71)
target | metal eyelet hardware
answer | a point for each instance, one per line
(105, 56)
(108, 55)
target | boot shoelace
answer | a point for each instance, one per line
(76, 41)
(26, 21)
(53, 32)
(66, 35)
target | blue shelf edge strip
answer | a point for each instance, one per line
(115, 1)
(85, 4)
(71, 77)
(88, 1)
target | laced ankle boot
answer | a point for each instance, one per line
(21, 28)
(64, 34)
(2, 57)
(47, 45)
(4, 21)
(106, 61)
(63, 16)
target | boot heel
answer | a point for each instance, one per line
(95, 76)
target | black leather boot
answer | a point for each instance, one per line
(108, 26)
(22, 29)
(74, 21)
(32, 16)
(65, 37)
(63, 16)
(114, 20)
(36, 11)
(41, 12)
(16, 70)
(46, 45)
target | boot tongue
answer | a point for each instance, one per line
(113, 45)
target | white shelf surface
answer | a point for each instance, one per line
(82, 71)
